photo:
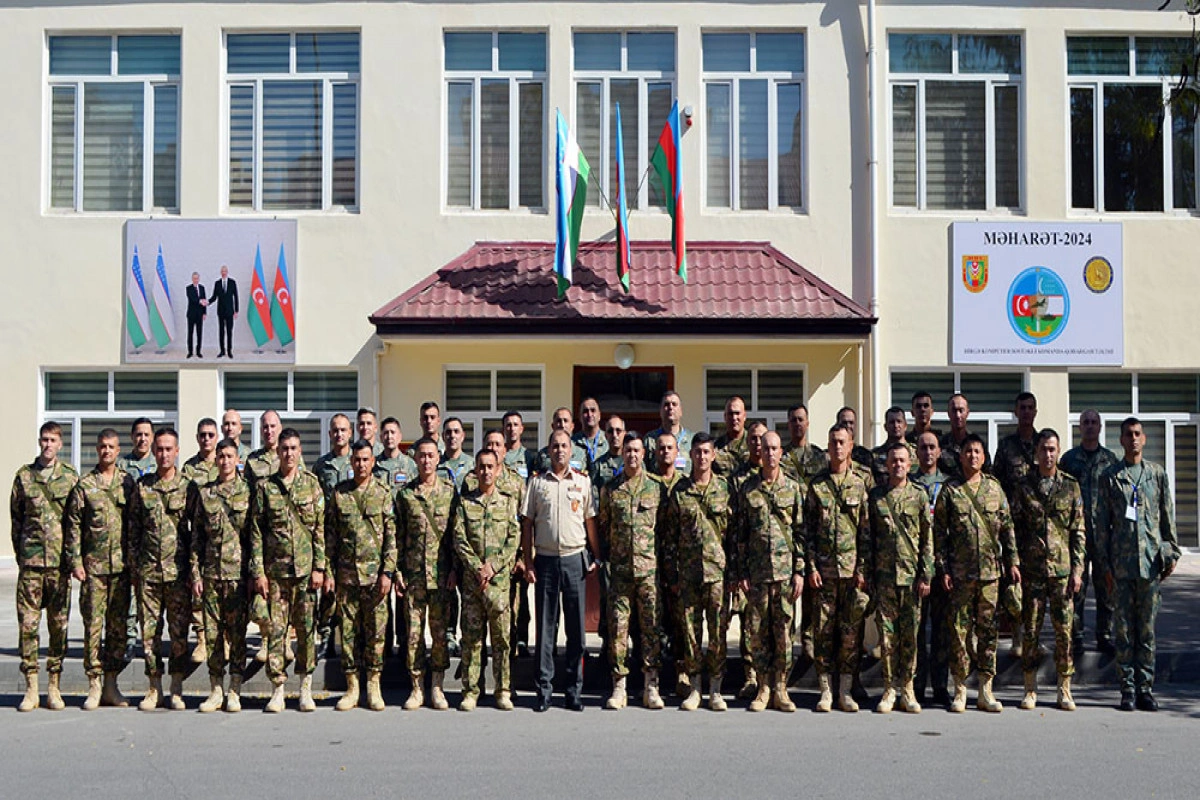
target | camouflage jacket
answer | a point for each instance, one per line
(331, 470)
(456, 469)
(1087, 468)
(747, 471)
(136, 468)
(36, 505)
(593, 448)
(221, 531)
(695, 532)
(395, 472)
(521, 460)
(508, 481)
(1014, 461)
(1048, 518)
(731, 454)
(1141, 549)
(838, 525)
(199, 471)
(605, 470)
(683, 460)
(911, 436)
(769, 527)
(486, 530)
(627, 525)
(287, 527)
(159, 530)
(879, 462)
(94, 531)
(360, 533)
(422, 532)
(262, 463)
(802, 464)
(948, 461)
(973, 535)
(900, 548)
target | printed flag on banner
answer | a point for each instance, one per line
(161, 312)
(260, 313)
(571, 179)
(283, 319)
(666, 164)
(137, 315)
(622, 210)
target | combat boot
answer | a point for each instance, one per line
(504, 701)
(93, 696)
(437, 697)
(153, 694)
(1065, 701)
(177, 692)
(1029, 701)
(779, 696)
(306, 698)
(30, 701)
(750, 687)
(54, 700)
(468, 702)
(683, 685)
(275, 704)
(986, 701)
(650, 696)
(110, 695)
(692, 701)
(959, 704)
(617, 700)
(349, 700)
(908, 700)
(763, 697)
(416, 698)
(825, 701)
(216, 695)
(846, 701)
(715, 701)
(233, 698)
(887, 702)
(200, 654)
(374, 695)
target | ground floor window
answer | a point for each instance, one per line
(304, 399)
(990, 395)
(768, 391)
(480, 396)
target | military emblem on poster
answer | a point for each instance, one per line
(975, 273)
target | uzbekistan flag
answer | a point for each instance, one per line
(162, 313)
(666, 164)
(137, 315)
(260, 315)
(571, 178)
(622, 210)
(283, 318)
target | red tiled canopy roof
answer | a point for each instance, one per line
(733, 288)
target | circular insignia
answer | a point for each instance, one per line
(1098, 274)
(1038, 305)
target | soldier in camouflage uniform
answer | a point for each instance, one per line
(860, 457)
(1014, 463)
(140, 460)
(694, 559)
(732, 450)
(900, 557)
(932, 639)
(331, 469)
(231, 428)
(36, 505)
(951, 444)
(393, 466)
(671, 413)
(219, 552)
(838, 530)
(666, 468)
(735, 597)
(487, 537)
(287, 563)
(94, 541)
(1137, 549)
(426, 575)
(922, 414)
(517, 455)
(199, 471)
(769, 561)
(360, 544)
(455, 464)
(626, 526)
(519, 459)
(895, 425)
(590, 435)
(801, 460)
(561, 420)
(259, 465)
(973, 545)
(1048, 517)
(605, 470)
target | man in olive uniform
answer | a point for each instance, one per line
(360, 543)
(859, 455)
(231, 428)
(1048, 517)
(895, 426)
(140, 459)
(200, 470)
(801, 459)
(159, 533)
(922, 414)
(95, 545)
(590, 435)
(670, 411)
(933, 665)
(220, 549)
(607, 467)
(1137, 549)
(1013, 463)
(900, 557)
(287, 563)
(517, 455)
(735, 596)
(562, 420)
(36, 505)
(838, 531)
(732, 450)
(366, 425)
(393, 466)
(257, 466)
(974, 544)
(331, 469)
(487, 537)
(430, 418)
(426, 577)
(951, 444)
(455, 464)
(626, 525)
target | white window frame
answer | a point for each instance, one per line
(773, 79)
(774, 418)
(77, 82)
(328, 80)
(476, 418)
(999, 423)
(251, 416)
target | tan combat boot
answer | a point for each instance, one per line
(233, 698)
(617, 700)
(986, 701)
(374, 695)
(153, 694)
(275, 704)
(959, 704)
(908, 700)
(887, 702)
(349, 699)
(683, 685)
(468, 702)
(306, 698)
(200, 654)
(437, 697)
(177, 692)
(216, 695)
(825, 701)
(750, 687)
(54, 700)
(416, 698)
(92, 702)
(692, 701)
(846, 701)
(1029, 701)
(763, 697)
(650, 696)
(779, 696)
(30, 701)
(110, 695)
(504, 701)
(1065, 701)
(716, 702)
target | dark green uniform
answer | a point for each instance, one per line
(1087, 466)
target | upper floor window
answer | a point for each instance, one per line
(114, 123)
(495, 119)
(754, 99)
(293, 120)
(637, 71)
(955, 120)
(1130, 150)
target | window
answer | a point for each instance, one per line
(85, 403)
(1168, 404)
(305, 401)
(768, 392)
(637, 72)
(293, 120)
(956, 120)
(114, 123)
(754, 100)
(479, 396)
(990, 395)
(495, 119)
(1130, 151)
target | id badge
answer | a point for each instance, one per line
(1131, 513)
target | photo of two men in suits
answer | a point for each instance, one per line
(224, 296)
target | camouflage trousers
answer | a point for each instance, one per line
(898, 613)
(485, 610)
(1037, 593)
(770, 614)
(841, 608)
(734, 605)
(290, 601)
(423, 605)
(225, 621)
(104, 603)
(174, 598)
(624, 597)
(700, 607)
(1136, 604)
(363, 612)
(38, 589)
(973, 606)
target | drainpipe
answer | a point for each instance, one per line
(876, 393)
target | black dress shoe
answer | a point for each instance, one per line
(541, 706)
(1126, 703)
(221, 354)
(573, 704)
(1146, 702)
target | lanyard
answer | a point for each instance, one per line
(1138, 483)
(591, 445)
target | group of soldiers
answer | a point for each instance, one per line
(925, 532)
